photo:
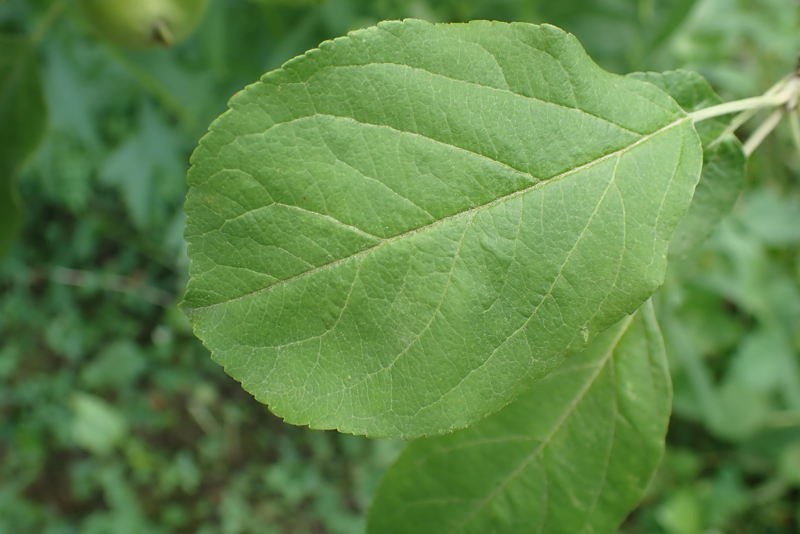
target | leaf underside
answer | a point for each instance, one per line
(724, 161)
(396, 233)
(572, 454)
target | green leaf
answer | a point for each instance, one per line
(97, 426)
(773, 218)
(22, 108)
(22, 124)
(397, 233)
(573, 454)
(724, 162)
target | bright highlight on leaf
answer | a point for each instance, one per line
(572, 454)
(397, 233)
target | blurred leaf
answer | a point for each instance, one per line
(144, 165)
(774, 219)
(766, 363)
(723, 498)
(23, 114)
(742, 411)
(117, 366)
(97, 426)
(23, 117)
(72, 98)
(712, 326)
(681, 514)
(639, 28)
(182, 473)
(722, 179)
(64, 170)
(575, 452)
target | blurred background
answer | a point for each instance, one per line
(113, 419)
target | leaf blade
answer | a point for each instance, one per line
(426, 274)
(572, 454)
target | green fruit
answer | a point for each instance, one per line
(143, 24)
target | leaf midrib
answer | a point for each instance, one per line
(520, 192)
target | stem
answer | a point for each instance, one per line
(745, 116)
(755, 103)
(54, 11)
(763, 131)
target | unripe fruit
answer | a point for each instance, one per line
(143, 24)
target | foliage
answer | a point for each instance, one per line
(460, 221)
(99, 248)
(574, 453)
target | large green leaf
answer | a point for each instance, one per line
(397, 233)
(572, 454)
(22, 124)
(724, 161)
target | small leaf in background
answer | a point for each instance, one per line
(774, 219)
(390, 241)
(574, 453)
(72, 100)
(766, 363)
(723, 497)
(118, 365)
(681, 514)
(724, 162)
(96, 426)
(146, 167)
(741, 411)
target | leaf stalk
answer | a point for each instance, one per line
(767, 100)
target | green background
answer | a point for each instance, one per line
(112, 416)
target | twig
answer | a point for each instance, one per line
(107, 282)
(763, 131)
(759, 102)
(745, 116)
